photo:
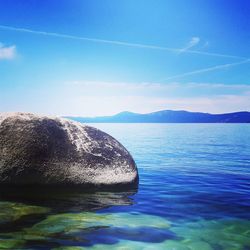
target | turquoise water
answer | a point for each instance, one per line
(194, 194)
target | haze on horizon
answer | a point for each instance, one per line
(96, 58)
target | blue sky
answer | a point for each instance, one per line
(100, 57)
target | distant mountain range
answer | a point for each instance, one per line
(168, 116)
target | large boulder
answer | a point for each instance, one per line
(40, 150)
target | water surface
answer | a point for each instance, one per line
(194, 194)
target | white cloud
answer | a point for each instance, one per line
(151, 87)
(193, 42)
(109, 105)
(93, 98)
(216, 104)
(7, 52)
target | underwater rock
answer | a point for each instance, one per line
(12, 211)
(94, 231)
(223, 234)
(11, 244)
(40, 150)
(72, 222)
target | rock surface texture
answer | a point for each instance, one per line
(40, 150)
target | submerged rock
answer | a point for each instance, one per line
(40, 150)
(13, 211)
(69, 223)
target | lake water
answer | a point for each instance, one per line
(194, 194)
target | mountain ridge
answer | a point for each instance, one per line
(168, 116)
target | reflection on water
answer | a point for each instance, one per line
(68, 199)
(194, 194)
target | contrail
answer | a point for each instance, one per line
(114, 42)
(222, 66)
